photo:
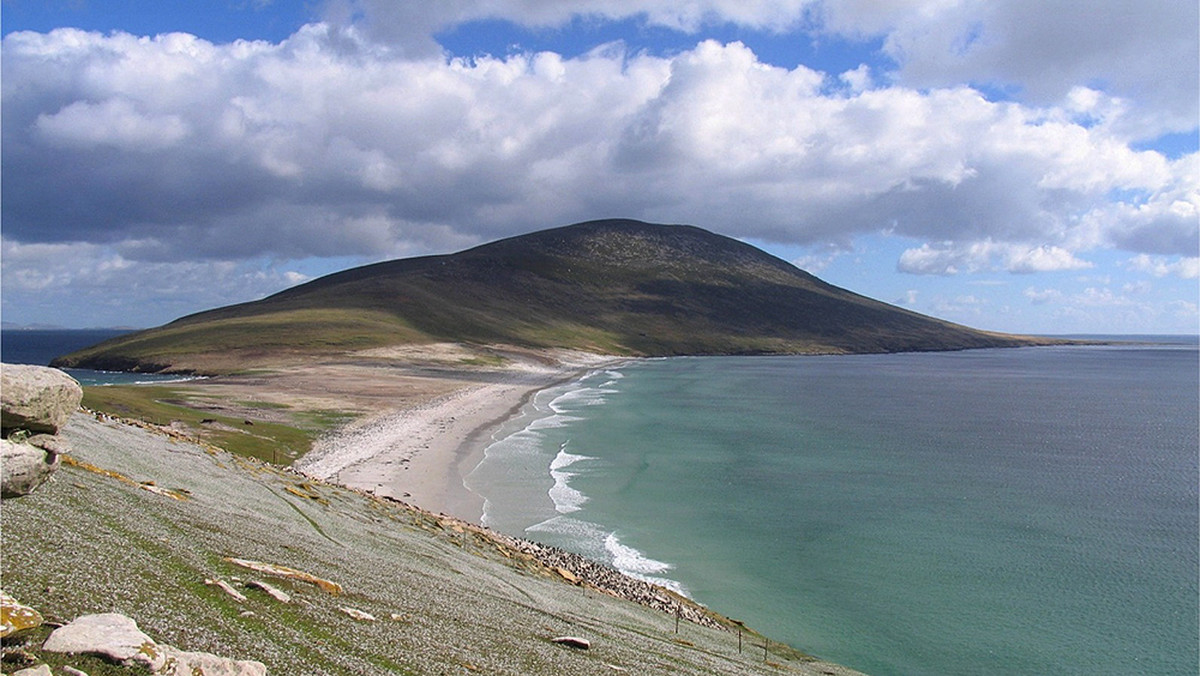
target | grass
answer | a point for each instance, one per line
(227, 345)
(166, 405)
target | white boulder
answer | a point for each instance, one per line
(36, 398)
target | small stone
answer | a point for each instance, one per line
(572, 642)
(225, 587)
(149, 486)
(567, 575)
(71, 671)
(277, 594)
(357, 614)
(289, 573)
(39, 670)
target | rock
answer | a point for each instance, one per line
(181, 663)
(71, 671)
(16, 617)
(273, 592)
(572, 642)
(39, 670)
(109, 635)
(288, 573)
(357, 614)
(50, 443)
(23, 467)
(37, 398)
(227, 588)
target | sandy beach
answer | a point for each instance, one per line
(419, 450)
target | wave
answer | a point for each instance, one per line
(527, 443)
(566, 499)
(636, 564)
(601, 544)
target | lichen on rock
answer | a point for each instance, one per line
(16, 617)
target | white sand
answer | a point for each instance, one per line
(420, 454)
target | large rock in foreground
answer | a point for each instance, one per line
(24, 467)
(109, 635)
(38, 401)
(118, 638)
(36, 398)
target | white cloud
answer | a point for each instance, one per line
(114, 123)
(332, 143)
(82, 284)
(326, 131)
(948, 258)
(1185, 268)
(1042, 296)
(1142, 50)
(960, 306)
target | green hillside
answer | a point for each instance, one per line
(616, 286)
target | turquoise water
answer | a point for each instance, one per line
(1024, 511)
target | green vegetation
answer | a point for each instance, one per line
(177, 407)
(237, 343)
(615, 287)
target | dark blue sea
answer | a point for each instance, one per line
(1017, 511)
(39, 346)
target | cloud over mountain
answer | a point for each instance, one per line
(358, 137)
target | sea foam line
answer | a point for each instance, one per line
(566, 498)
(554, 409)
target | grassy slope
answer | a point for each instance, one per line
(617, 287)
(448, 599)
(230, 344)
(183, 408)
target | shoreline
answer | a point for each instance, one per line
(421, 454)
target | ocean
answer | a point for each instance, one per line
(1013, 511)
(39, 346)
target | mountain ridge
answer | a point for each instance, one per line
(612, 286)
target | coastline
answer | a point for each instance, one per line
(420, 454)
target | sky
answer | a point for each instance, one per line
(1011, 165)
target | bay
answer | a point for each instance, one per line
(39, 346)
(1017, 511)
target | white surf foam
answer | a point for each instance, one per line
(636, 564)
(566, 499)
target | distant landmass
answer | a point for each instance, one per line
(617, 287)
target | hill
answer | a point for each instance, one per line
(615, 287)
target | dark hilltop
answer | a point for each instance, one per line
(617, 287)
